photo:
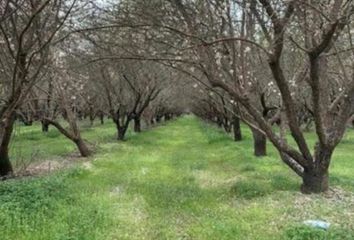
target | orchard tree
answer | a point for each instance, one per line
(28, 29)
(66, 94)
(128, 90)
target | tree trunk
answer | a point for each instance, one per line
(314, 181)
(219, 121)
(260, 143)
(237, 129)
(5, 164)
(102, 118)
(315, 177)
(45, 126)
(81, 145)
(121, 133)
(92, 121)
(167, 117)
(73, 136)
(137, 124)
(227, 126)
(5, 137)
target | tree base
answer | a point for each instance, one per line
(314, 183)
(83, 149)
(5, 165)
(137, 125)
(121, 134)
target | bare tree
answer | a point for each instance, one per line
(129, 91)
(65, 95)
(27, 30)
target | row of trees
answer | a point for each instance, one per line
(43, 79)
(301, 50)
(261, 62)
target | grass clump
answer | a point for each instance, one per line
(50, 207)
(282, 182)
(302, 232)
(249, 189)
(30, 195)
(248, 168)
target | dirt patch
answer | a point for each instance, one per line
(335, 195)
(51, 165)
(335, 206)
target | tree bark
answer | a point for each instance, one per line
(137, 124)
(315, 177)
(5, 138)
(102, 119)
(81, 145)
(260, 143)
(237, 129)
(121, 133)
(75, 137)
(45, 126)
(314, 181)
(219, 121)
(5, 164)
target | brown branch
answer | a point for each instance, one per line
(61, 129)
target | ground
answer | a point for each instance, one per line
(181, 180)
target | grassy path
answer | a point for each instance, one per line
(186, 180)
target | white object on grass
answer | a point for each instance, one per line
(317, 224)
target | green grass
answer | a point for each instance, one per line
(182, 180)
